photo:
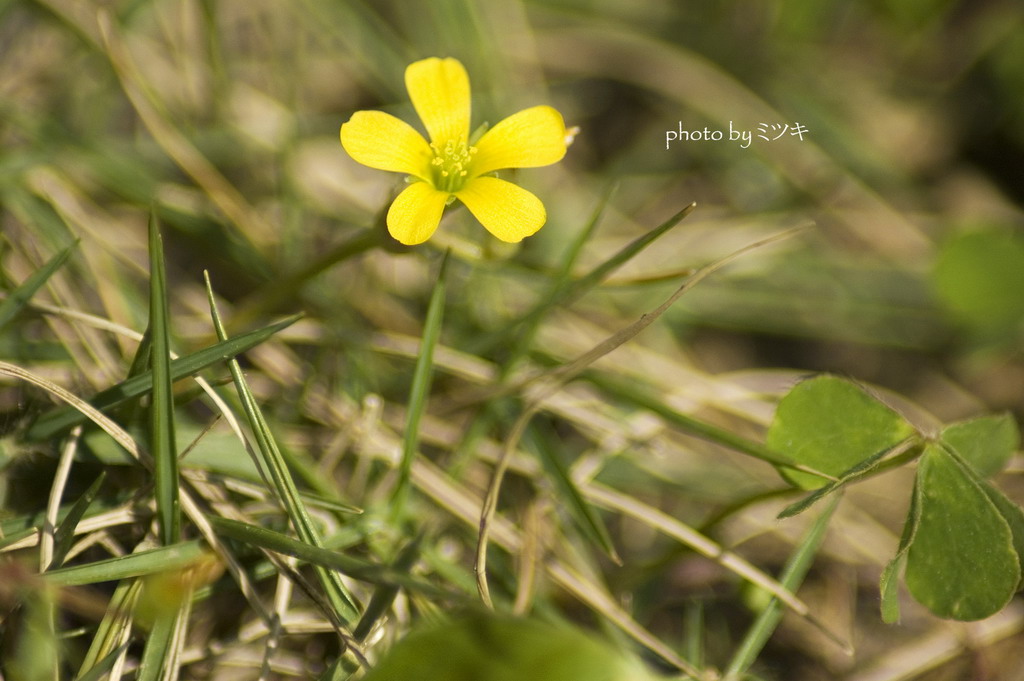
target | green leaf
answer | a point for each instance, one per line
(831, 425)
(887, 458)
(979, 277)
(888, 587)
(986, 443)
(19, 297)
(961, 563)
(489, 646)
(58, 420)
(162, 445)
(1014, 517)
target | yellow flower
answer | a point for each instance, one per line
(448, 167)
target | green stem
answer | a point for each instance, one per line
(792, 577)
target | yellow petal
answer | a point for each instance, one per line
(416, 212)
(508, 211)
(533, 137)
(381, 141)
(439, 89)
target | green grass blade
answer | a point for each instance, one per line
(694, 632)
(162, 445)
(112, 628)
(287, 288)
(384, 596)
(31, 522)
(58, 420)
(792, 576)
(584, 515)
(99, 670)
(572, 254)
(141, 361)
(706, 431)
(161, 657)
(17, 299)
(624, 255)
(525, 328)
(420, 388)
(335, 671)
(64, 535)
(272, 461)
(173, 557)
(17, 536)
(560, 289)
(330, 504)
(565, 293)
(315, 555)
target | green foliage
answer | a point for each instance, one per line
(19, 297)
(602, 412)
(161, 435)
(831, 425)
(152, 561)
(53, 422)
(35, 656)
(771, 613)
(276, 474)
(326, 558)
(978, 277)
(986, 443)
(420, 387)
(64, 535)
(961, 562)
(489, 647)
(583, 514)
(961, 540)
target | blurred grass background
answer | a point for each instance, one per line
(222, 118)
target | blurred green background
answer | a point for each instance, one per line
(222, 117)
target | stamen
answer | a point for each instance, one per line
(452, 163)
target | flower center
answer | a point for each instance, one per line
(451, 165)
